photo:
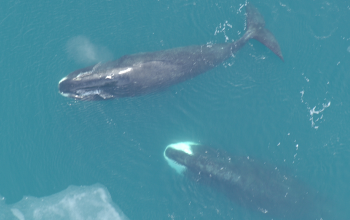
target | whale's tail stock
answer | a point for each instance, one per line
(256, 30)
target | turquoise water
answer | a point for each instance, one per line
(293, 114)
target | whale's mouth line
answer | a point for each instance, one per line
(71, 95)
(68, 95)
(79, 93)
(70, 89)
(83, 95)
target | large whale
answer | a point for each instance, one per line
(250, 183)
(142, 73)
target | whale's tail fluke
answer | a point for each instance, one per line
(256, 30)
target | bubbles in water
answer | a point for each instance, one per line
(348, 49)
(83, 51)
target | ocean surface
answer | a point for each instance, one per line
(293, 114)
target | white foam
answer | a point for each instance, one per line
(62, 80)
(182, 146)
(75, 203)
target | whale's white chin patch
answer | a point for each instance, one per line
(181, 146)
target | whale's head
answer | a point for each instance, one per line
(94, 83)
(177, 155)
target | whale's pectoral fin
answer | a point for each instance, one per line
(256, 30)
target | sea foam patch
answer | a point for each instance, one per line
(75, 203)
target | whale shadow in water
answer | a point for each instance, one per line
(138, 74)
(254, 185)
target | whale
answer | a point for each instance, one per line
(254, 185)
(143, 73)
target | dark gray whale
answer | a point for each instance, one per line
(142, 73)
(250, 183)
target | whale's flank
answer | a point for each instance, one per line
(143, 73)
(248, 182)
